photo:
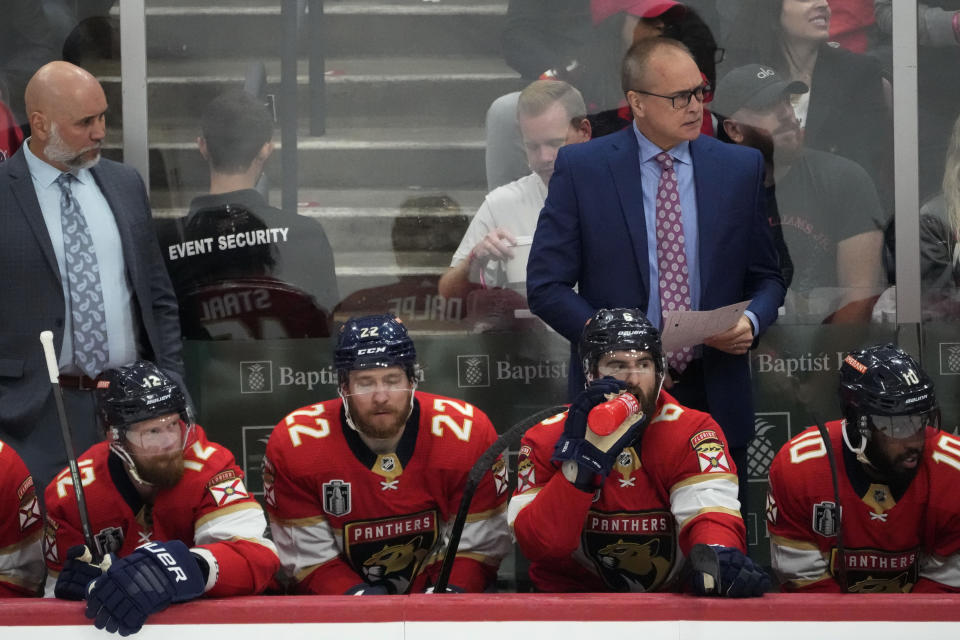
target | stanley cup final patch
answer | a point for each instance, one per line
(336, 497)
(710, 453)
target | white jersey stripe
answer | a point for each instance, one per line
(688, 500)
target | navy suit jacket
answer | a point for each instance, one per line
(31, 295)
(591, 233)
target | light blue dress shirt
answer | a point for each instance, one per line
(117, 292)
(649, 182)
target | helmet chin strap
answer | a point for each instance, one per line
(124, 455)
(858, 451)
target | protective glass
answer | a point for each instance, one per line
(620, 364)
(906, 426)
(157, 435)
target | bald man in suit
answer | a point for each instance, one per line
(55, 173)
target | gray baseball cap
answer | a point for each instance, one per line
(753, 86)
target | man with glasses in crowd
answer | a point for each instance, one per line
(897, 525)
(619, 509)
(168, 511)
(663, 218)
(360, 490)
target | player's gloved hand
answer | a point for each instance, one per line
(146, 581)
(77, 573)
(585, 458)
(725, 571)
(367, 589)
(451, 588)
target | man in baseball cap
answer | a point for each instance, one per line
(824, 209)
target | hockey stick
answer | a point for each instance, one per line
(806, 402)
(46, 339)
(480, 468)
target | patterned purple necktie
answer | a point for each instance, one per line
(671, 259)
(83, 278)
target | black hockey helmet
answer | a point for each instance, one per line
(619, 330)
(882, 387)
(136, 392)
(368, 342)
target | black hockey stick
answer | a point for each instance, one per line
(46, 339)
(806, 402)
(480, 468)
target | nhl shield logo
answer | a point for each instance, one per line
(473, 371)
(950, 358)
(336, 497)
(256, 377)
(825, 520)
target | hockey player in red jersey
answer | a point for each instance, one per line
(21, 560)
(360, 490)
(897, 528)
(168, 510)
(622, 512)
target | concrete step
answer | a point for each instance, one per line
(356, 27)
(346, 158)
(405, 90)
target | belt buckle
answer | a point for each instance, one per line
(82, 383)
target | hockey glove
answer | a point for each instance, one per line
(586, 458)
(367, 589)
(725, 571)
(77, 573)
(146, 581)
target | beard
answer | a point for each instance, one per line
(648, 401)
(891, 469)
(784, 152)
(381, 422)
(57, 150)
(163, 470)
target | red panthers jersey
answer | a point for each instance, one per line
(342, 515)
(893, 543)
(21, 560)
(674, 489)
(209, 510)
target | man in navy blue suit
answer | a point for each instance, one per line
(598, 232)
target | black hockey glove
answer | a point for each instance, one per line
(148, 580)
(725, 571)
(367, 589)
(592, 455)
(77, 573)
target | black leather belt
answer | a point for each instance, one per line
(77, 382)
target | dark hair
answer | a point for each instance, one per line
(691, 30)
(757, 35)
(235, 126)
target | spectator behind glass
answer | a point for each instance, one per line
(938, 79)
(551, 114)
(939, 249)
(822, 206)
(845, 111)
(232, 238)
(853, 25)
(617, 25)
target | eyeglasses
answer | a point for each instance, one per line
(683, 98)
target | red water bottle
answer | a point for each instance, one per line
(605, 418)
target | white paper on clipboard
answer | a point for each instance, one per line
(689, 328)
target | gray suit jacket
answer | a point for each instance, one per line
(31, 295)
